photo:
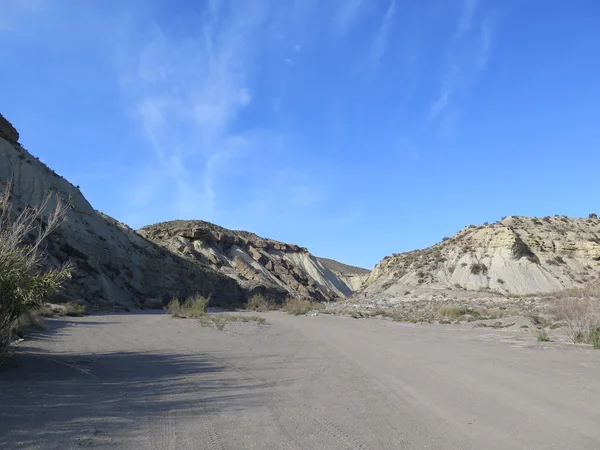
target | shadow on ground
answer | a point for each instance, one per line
(52, 398)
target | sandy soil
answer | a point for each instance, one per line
(147, 381)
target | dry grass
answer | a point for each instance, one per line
(452, 312)
(579, 311)
(259, 303)
(74, 310)
(192, 308)
(300, 306)
(219, 321)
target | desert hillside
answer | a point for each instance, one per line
(517, 255)
(352, 276)
(117, 267)
(254, 262)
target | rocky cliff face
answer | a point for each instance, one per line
(117, 267)
(351, 276)
(257, 264)
(517, 255)
(114, 266)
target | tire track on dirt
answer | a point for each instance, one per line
(301, 413)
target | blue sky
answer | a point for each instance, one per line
(355, 128)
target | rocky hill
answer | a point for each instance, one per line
(117, 267)
(256, 263)
(352, 276)
(517, 255)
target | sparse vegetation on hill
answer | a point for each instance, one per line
(517, 255)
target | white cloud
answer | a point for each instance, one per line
(381, 39)
(485, 44)
(464, 65)
(186, 94)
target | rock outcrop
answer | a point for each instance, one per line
(257, 264)
(7, 131)
(114, 267)
(517, 255)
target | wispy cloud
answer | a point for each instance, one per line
(186, 94)
(382, 36)
(465, 21)
(346, 14)
(465, 65)
(485, 44)
(441, 102)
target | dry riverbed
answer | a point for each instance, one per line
(149, 381)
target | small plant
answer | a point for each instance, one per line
(220, 321)
(543, 336)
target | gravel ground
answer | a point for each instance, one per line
(147, 381)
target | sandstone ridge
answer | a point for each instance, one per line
(116, 267)
(514, 256)
(257, 264)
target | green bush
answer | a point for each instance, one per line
(24, 283)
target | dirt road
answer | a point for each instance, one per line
(147, 381)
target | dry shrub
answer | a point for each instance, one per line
(452, 312)
(24, 282)
(193, 307)
(298, 306)
(259, 303)
(73, 310)
(580, 313)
